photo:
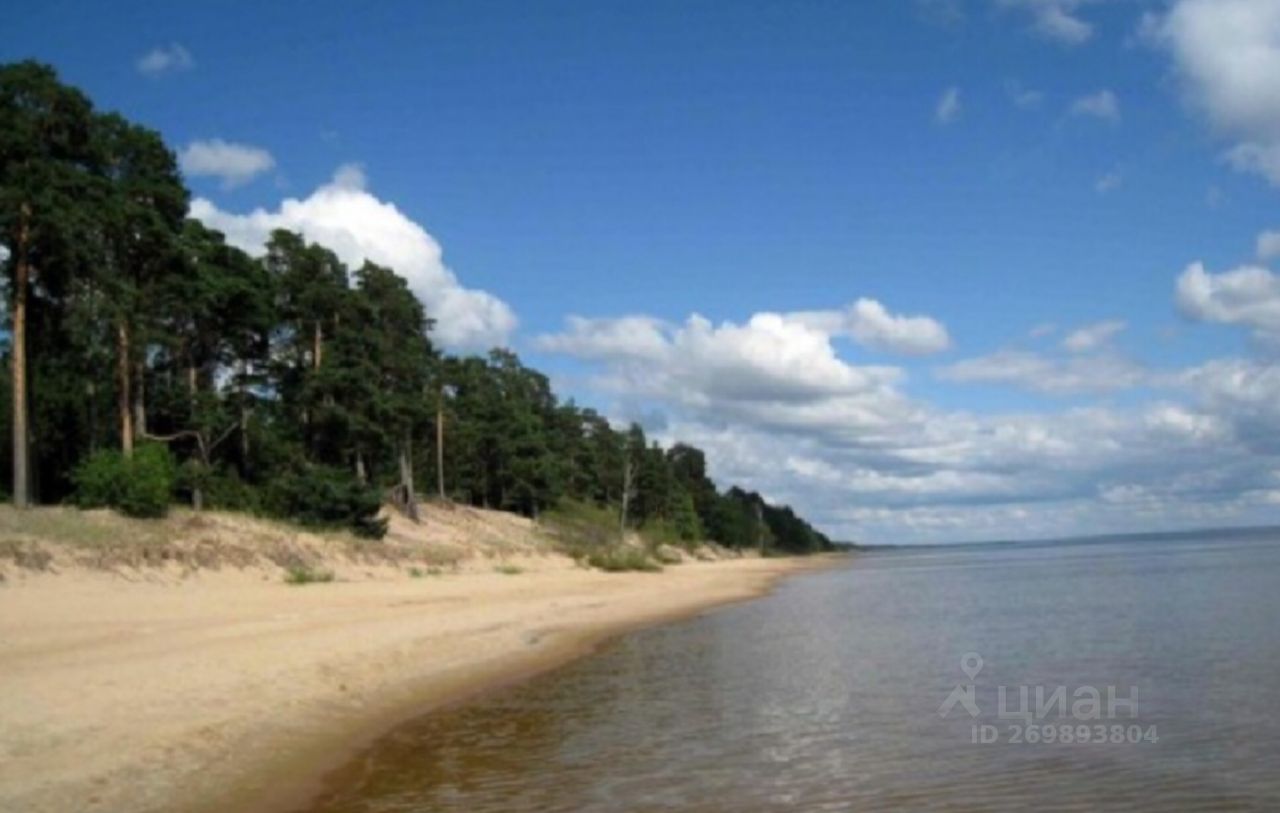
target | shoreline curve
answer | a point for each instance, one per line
(235, 692)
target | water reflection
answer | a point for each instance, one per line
(825, 696)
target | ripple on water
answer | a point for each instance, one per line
(825, 696)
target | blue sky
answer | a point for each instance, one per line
(990, 177)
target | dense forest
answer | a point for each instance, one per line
(151, 362)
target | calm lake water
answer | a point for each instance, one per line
(826, 696)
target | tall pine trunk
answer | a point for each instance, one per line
(125, 399)
(406, 482)
(21, 470)
(440, 446)
(317, 342)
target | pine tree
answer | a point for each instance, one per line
(47, 191)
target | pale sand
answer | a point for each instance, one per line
(233, 691)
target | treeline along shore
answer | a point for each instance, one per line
(152, 363)
(193, 426)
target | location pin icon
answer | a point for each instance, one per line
(971, 664)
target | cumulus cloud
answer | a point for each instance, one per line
(871, 325)
(627, 337)
(769, 358)
(947, 109)
(1091, 337)
(1226, 53)
(1248, 296)
(777, 409)
(343, 215)
(1057, 20)
(1101, 105)
(233, 164)
(163, 59)
(933, 474)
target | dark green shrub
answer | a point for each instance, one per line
(306, 575)
(619, 558)
(138, 486)
(323, 496)
(149, 488)
(100, 480)
(220, 488)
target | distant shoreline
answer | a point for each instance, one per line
(1229, 531)
(233, 691)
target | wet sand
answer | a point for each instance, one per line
(234, 691)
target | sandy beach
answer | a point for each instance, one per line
(234, 691)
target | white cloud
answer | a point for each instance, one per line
(1101, 105)
(635, 337)
(1248, 296)
(1108, 182)
(778, 410)
(170, 58)
(1259, 159)
(1055, 19)
(1091, 337)
(1041, 373)
(233, 164)
(770, 358)
(358, 226)
(1227, 55)
(871, 325)
(933, 475)
(1043, 329)
(1269, 245)
(948, 108)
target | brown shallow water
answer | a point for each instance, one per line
(826, 696)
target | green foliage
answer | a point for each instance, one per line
(300, 575)
(225, 490)
(100, 480)
(656, 533)
(590, 534)
(618, 558)
(137, 486)
(290, 386)
(581, 528)
(150, 473)
(508, 569)
(325, 497)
